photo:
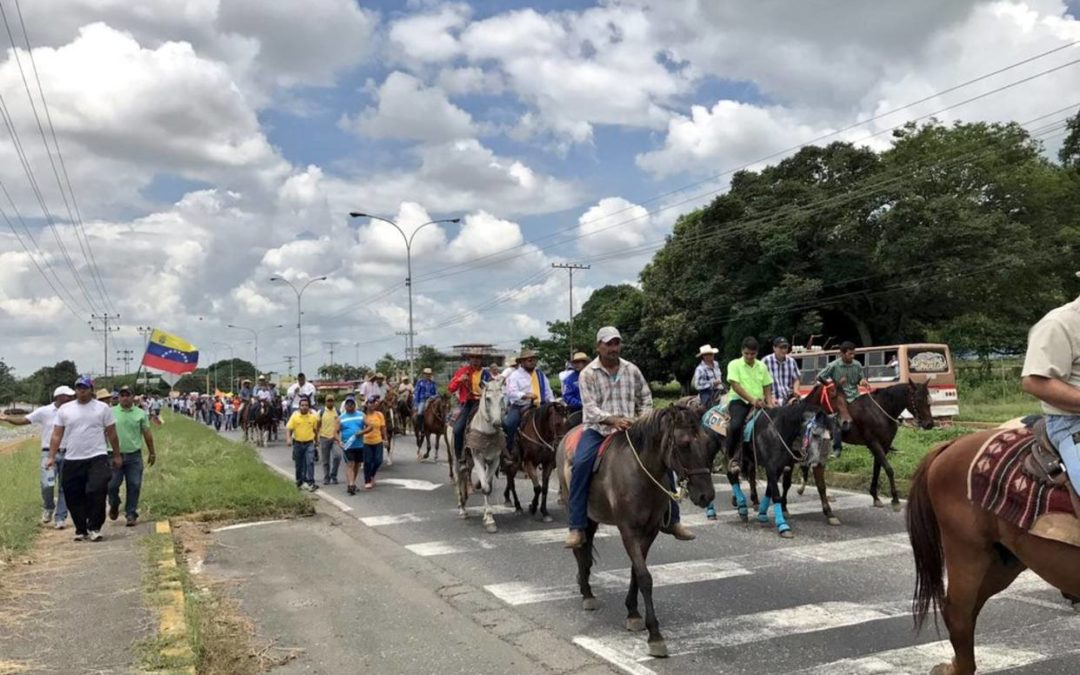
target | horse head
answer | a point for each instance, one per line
(554, 416)
(680, 431)
(830, 398)
(918, 402)
(492, 406)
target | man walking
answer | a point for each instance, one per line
(329, 453)
(297, 389)
(527, 387)
(708, 380)
(300, 434)
(424, 392)
(46, 416)
(466, 384)
(1051, 374)
(783, 370)
(751, 389)
(133, 427)
(613, 394)
(350, 439)
(847, 373)
(82, 427)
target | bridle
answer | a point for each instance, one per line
(682, 472)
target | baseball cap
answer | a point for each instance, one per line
(85, 381)
(63, 390)
(124, 390)
(607, 334)
(781, 341)
(350, 399)
(372, 398)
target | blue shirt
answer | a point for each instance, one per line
(425, 389)
(352, 427)
(571, 393)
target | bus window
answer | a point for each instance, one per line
(928, 360)
(882, 366)
(809, 367)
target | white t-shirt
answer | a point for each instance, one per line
(84, 428)
(296, 391)
(46, 417)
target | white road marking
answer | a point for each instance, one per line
(614, 657)
(411, 484)
(399, 518)
(669, 574)
(240, 526)
(472, 544)
(922, 658)
(852, 549)
(291, 476)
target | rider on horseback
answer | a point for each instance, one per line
(245, 390)
(424, 392)
(613, 394)
(466, 384)
(848, 373)
(571, 390)
(1052, 374)
(751, 389)
(263, 390)
(526, 387)
(708, 380)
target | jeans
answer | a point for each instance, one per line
(303, 456)
(131, 474)
(330, 456)
(461, 424)
(86, 484)
(738, 410)
(373, 453)
(511, 423)
(57, 505)
(705, 396)
(1064, 431)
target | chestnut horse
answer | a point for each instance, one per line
(540, 432)
(981, 553)
(433, 422)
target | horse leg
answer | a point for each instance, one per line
(874, 478)
(738, 498)
(487, 480)
(545, 516)
(773, 498)
(584, 556)
(802, 483)
(530, 471)
(819, 480)
(786, 487)
(637, 546)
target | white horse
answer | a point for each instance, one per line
(484, 445)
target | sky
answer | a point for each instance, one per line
(212, 144)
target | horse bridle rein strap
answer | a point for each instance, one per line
(539, 440)
(896, 420)
(772, 425)
(673, 496)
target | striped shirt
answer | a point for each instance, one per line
(706, 377)
(624, 394)
(785, 376)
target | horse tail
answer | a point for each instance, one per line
(925, 535)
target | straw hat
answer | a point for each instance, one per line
(579, 356)
(707, 349)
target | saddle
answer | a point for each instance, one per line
(570, 443)
(1043, 462)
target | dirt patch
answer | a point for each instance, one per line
(9, 446)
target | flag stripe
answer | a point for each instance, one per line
(177, 367)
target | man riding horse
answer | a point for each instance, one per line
(571, 390)
(465, 384)
(526, 387)
(613, 394)
(848, 373)
(708, 380)
(425, 391)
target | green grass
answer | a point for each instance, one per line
(198, 471)
(911, 445)
(20, 498)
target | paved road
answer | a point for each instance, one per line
(737, 600)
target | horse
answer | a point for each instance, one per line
(540, 432)
(774, 434)
(981, 552)
(629, 491)
(875, 421)
(403, 415)
(484, 445)
(277, 414)
(433, 421)
(258, 416)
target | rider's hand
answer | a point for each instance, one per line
(622, 423)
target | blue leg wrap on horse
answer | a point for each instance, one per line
(710, 510)
(778, 512)
(740, 498)
(763, 512)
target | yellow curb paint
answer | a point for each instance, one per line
(162, 527)
(172, 621)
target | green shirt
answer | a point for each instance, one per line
(130, 425)
(753, 379)
(850, 373)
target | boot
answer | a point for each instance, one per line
(680, 532)
(576, 539)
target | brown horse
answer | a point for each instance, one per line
(403, 415)
(630, 491)
(538, 436)
(433, 422)
(982, 553)
(875, 419)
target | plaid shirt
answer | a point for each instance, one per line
(624, 394)
(785, 376)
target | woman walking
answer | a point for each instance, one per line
(374, 438)
(350, 437)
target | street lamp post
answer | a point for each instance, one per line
(255, 336)
(408, 239)
(299, 334)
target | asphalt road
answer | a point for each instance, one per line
(739, 599)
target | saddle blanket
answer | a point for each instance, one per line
(717, 419)
(573, 437)
(998, 483)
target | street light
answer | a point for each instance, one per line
(408, 264)
(255, 335)
(299, 335)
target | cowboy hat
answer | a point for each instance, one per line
(526, 354)
(103, 394)
(380, 376)
(579, 356)
(707, 349)
(427, 371)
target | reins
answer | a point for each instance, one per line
(539, 440)
(673, 496)
(895, 420)
(772, 426)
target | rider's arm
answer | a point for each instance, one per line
(738, 388)
(769, 400)
(644, 394)
(1057, 393)
(702, 378)
(514, 389)
(591, 412)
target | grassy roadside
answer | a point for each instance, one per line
(20, 498)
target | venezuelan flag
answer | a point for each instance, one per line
(170, 353)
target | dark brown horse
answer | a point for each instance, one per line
(433, 422)
(537, 439)
(875, 420)
(981, 553)
(257, 419)
(403, 415)
(630, 491)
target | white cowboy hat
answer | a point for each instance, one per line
(427, 371)
(707, 349)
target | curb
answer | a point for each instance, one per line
(172, 606)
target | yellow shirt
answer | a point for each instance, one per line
(474, 379)
(535, 388)
(302, 426)
(375, 423)
(328, 423)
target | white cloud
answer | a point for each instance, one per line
(408, 110)
(429, 37)
(614, 224)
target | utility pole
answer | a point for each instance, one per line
(570, 267)
(125, 355)
(108, 325)
(408, 351)
(289, 360)
(357, 345)
(330, 345)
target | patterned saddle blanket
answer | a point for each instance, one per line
(998, 483)
(573, 438)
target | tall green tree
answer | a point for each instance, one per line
(39, 385)
(1069, 153)
(343, 371)
(9, 386)
(428, 357)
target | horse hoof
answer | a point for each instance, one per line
(491, 528)
(635, 624)
(549, 519)
(897, 507)
(763, 520)
(800, 491)
(507, 503)
(745, 517)
(658, 649)
(787, 534)
(590, 604)
(462, 514)
(942, 669)
(833, 520)
(878, 504)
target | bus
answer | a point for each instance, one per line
(889, 365)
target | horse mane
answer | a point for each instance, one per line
(657, 425)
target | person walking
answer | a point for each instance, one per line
(350, 439)
(52, 505)
(329, 453)
(82, 428)
(527, 387)
(374, 439)
(751, 389)
(465, 384)
(708, 380)
(300, 434)
(133, 428)
(847, 373)
(783, 370)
